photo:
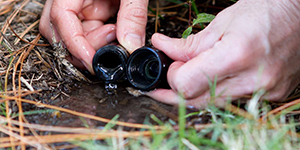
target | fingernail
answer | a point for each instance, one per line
(88, 67)
(111, 37)
(132, 42)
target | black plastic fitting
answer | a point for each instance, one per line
(147, 69)
(109, 63)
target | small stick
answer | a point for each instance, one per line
(27, 84)
(26, 31)
(10, 47)
(156, 16)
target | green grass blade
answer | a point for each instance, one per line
(181, 120)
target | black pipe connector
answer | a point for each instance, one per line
(146, 68)
(109, 63)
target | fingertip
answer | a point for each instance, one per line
(80, 48)
(88, 61)
(164, 95)
(158, 37)
(101, 36)
(111, 37)
(132, 41)
(172, 47)
(77, 63)
(88, 66)
(131, 24)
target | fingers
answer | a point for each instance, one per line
(80, 38)
(186, 49)
(223, 60)
(100, 10)
(98, 34)
(193, 82)
(44, 25)
(246, 57)
(229, 89)
(64, 18)
(166, 96)
(170, 97)
(131, 23)
(173, 98)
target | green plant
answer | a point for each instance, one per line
(201, 18)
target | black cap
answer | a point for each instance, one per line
(147, 69)
(109, 63)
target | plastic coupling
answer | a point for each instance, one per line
(147, 69)
(109, 63)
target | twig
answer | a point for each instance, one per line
(32, 79)
(8, 5)
(238, 111)
(170, 7)
(35, 43)
(27, 84)
(190, 12)
(21, 60)
(21, 93)
(7, 104)
(45, 146)
(78, 137)
(13, 142)
(10, 47)
(132, 125)
(38, 3)
(12, 16)
(42, 59)
(277, 110)
(156, 16)
(17, 52)
(26, 31)
(53, 128)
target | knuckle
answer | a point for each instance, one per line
(271, 82)
(54, 16)
(268, 81)
(136, 14)
(271, 77)
(178, 81)
(241, 56)
(188, 47)
(191, 45)
(186, 92)
(182, 86)
(278, 95)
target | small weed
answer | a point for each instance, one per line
(201, 18)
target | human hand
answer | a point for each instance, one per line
(249, 46)
(80, 25)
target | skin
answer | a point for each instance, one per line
(249, 46)
(80, 25)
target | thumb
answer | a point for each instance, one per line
(131, 24)
(185, 49)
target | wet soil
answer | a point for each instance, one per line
(93, 99)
